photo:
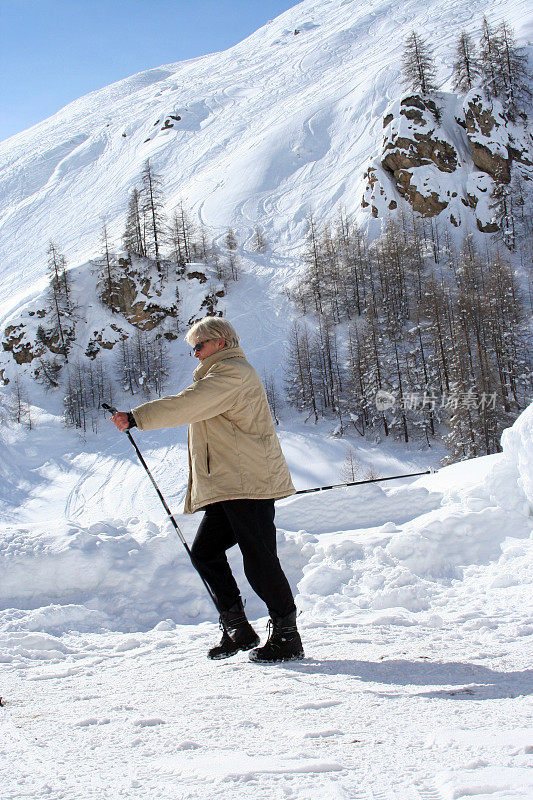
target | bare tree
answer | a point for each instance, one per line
(419, 70)
(352, 469)
(87, 388)
(466, 68)
(133, 238)
(19, 402)
(143, 363)
(153, 209)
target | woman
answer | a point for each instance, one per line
(236, 471)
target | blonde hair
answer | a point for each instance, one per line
(212, 328)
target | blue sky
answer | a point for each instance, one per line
(53, 51)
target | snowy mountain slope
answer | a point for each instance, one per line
(258, 134)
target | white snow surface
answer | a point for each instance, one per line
(416, 615)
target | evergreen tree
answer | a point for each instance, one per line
(505, 214)
(466, 68)
(260, 243)
(48, 369)
(419, 70)
(231, 243)
(231, 240)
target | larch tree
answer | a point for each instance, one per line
(60, 296)
(19, 402)
(107, 273)
(419, 72)
(230, 240)
(490, 59)
(351, 469)
(466, 68)
(153, 209)
(260, 243)
(514, 71)
(133, 238)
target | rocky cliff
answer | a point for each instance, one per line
(138, 298)
(444, 155)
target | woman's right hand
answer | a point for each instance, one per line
(120, 418)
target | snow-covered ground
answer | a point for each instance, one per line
(416, 617)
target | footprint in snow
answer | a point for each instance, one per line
(129, 644)
(320, 704)
(186, 745)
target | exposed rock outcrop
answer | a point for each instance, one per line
(487, 135)
(136, 297)
(15, 342)
(443, 156)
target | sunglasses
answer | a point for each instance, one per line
(197, 347)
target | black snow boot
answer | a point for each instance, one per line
(284, 643)
(237, 633)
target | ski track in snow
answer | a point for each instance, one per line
(370, 713)
(272, 127)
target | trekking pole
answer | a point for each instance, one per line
(165, 506)
(358, 483)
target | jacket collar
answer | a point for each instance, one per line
(207, 363)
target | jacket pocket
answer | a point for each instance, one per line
(207, 458)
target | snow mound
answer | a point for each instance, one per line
(414, 551)
(472, 537)
(517, 443)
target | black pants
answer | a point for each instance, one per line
(250, 524)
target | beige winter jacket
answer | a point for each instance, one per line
(234, 452)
